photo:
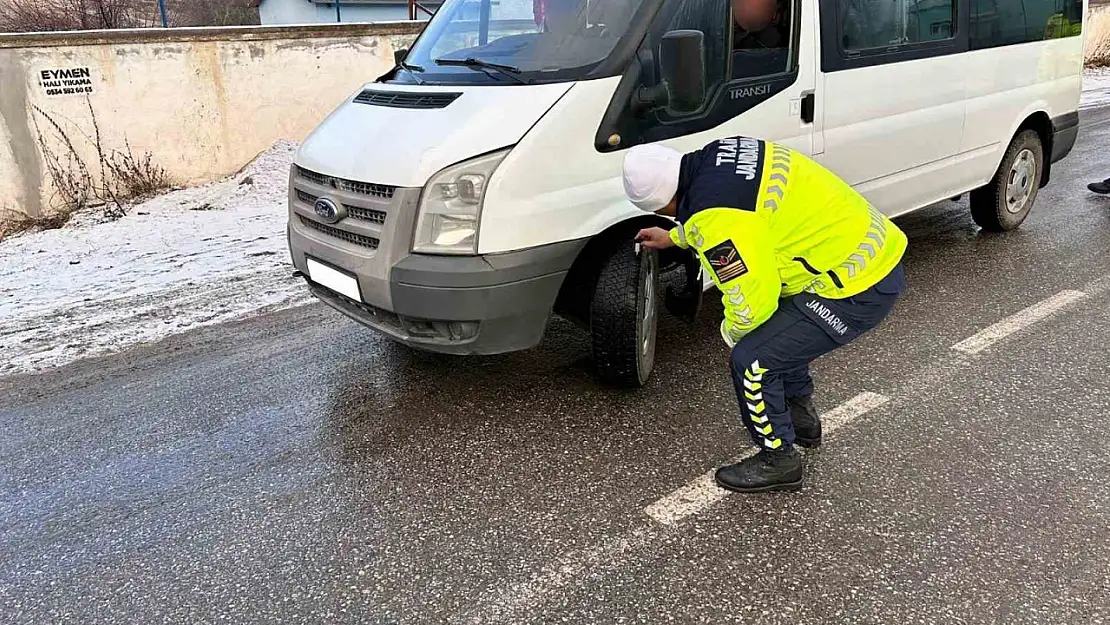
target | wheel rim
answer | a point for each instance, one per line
(648, 321)
(1020, 184)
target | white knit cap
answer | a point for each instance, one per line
(651, 175)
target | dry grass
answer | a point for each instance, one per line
(14, 222)
(1096, 48)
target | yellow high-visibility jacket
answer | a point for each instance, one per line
(767, 222)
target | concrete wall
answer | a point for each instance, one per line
(204, 102)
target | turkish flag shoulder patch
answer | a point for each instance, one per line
(726, 261)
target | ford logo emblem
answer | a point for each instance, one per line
(328, 210)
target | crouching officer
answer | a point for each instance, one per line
(804, 265)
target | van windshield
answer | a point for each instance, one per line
(517, 41)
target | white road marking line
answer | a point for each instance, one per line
(692, 498)
(845, 413)
(1016, 322)
(512, 604)
(703, 492)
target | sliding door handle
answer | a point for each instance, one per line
(809, 101)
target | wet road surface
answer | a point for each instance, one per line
(295, 468)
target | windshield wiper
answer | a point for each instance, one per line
(480, 65)
(413, 70)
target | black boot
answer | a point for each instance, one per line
(780, 469)
(807, 424)
(1100, 187)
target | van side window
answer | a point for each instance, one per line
(711, 18)
(1008, 22)
(738, 76)
(761, 37)
(868, 24)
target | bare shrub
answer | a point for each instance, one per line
(1096, 49)
(18, 16)
(68, 173)
(135, 176)
(54, 15)
(212, 13)
(124, 177)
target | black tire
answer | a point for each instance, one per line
(624, 315)
(993, 206)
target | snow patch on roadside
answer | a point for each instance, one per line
(192, 257)
(1096, 88)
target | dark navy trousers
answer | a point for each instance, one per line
(772, 362)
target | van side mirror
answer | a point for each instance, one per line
(681, 65)
(399, 56)
(682, 68)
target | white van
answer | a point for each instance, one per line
(458, 201)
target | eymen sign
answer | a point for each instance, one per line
(66, 81)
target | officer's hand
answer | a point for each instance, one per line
(654, 238)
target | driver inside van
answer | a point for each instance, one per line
(559, 16)
(760, 24)
(761, 38)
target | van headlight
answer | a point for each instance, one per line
(451, 206)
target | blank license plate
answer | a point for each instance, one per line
(334, 279)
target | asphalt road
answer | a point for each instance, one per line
(294, 468)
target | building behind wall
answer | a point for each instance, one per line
(324, 11)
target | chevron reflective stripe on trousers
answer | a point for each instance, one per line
(779, 178)
(757, 408)
(870, 247)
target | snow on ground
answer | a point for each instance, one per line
(1096, 88)
(191, 257)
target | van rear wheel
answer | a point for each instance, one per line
(624, 314)
(1006, 200)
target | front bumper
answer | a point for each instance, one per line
(504, 315)
(487, 304)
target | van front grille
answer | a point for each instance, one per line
(320, 179)
(350, 237)
(355, 212)
(366, 214)
(382, 191)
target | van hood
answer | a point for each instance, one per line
(385, 144)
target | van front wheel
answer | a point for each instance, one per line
(624, 314)
(1006, 200)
